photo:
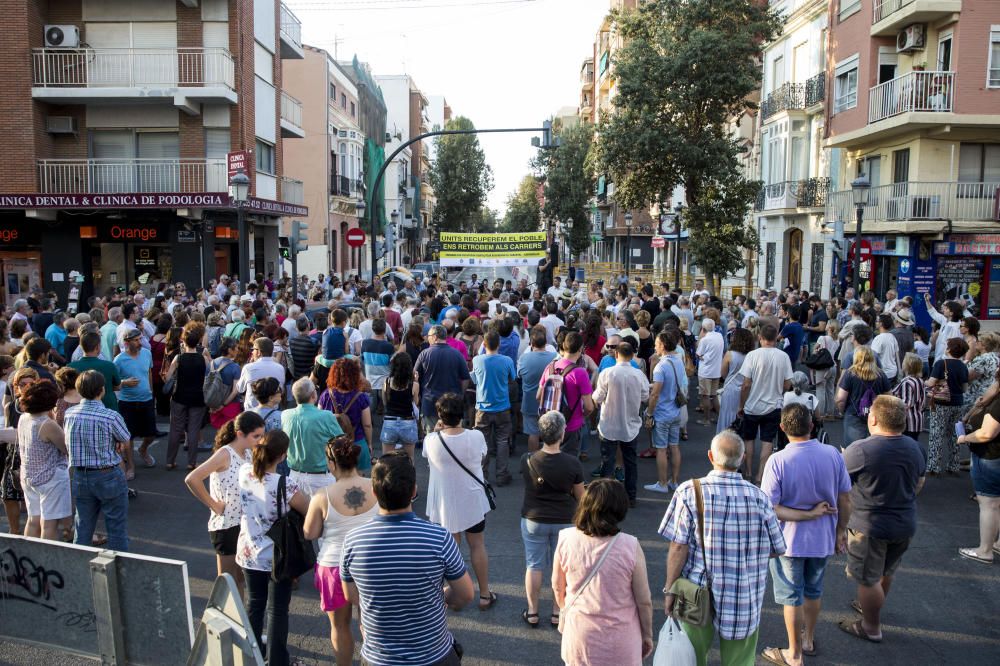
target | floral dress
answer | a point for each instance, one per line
(10, 456)
(986, 365)
(259, 500)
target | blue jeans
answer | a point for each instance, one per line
(540, 541)
(106, 491)
(398, 431)
(667, 433)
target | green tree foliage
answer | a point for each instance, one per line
(685, 72)
(569, 182)
(461, 178)
(487, 222)
(523, 210)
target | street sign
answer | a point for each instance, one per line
(866, 250)
(236, 161)
(658, 241)
(355, 237)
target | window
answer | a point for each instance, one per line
(993, 67)
(343, 101)
(777, 73)
(944, 52)
(265, 157)
(353, 111)
(979, 163)
(848, 8)
(845, 87)
(333, 91)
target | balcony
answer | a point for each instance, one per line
(290, 35)
(919, 201)
(115, 176)
(806, 193)
(891, 16)
(291, 117)
(604, 65)
(815, 89)
(812, 192)
(185, 76)
(587, 76)
(788, 97)
(292, 191)
(915, 92)
(340, 186)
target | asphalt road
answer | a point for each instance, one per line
(942, 610)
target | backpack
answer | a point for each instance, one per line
(554, 394)
(342, 418)
(213, 387)
(866, 400)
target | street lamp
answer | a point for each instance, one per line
(394, 217)
(678, 211)
(569, 247)
(239, 190)
(359, 210)
(628, 244)
(860, 188)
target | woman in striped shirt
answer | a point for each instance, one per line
(911, 391)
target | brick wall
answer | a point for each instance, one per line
(241, 116)
(278, 157)
(17, 117)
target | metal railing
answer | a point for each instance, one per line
(103, 68)
(788, 96)
(919, 201)
(292, 190)
(291, 109)
(816, 89)
(105, 176)
(884, 8)
(812, 192)
(340, 185)
(587, 76)
(805, 193)
(291, 26)
(915, 91)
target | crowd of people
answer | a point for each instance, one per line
(324, 397)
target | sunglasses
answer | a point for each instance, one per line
(611, 346)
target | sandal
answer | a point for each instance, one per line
(648, 453)
(490, 601)
(814, 651)
(554, 620)
(856, 605)
(147, 459)
(684, 435)
(527, 617)
(970, 554)
(855, 629)
(774, 656)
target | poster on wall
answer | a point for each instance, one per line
(993, 306)
(961, 277)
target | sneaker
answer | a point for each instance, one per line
(671, 486)
(620, 474)
(657, 488)
(597, 472)
(593, 431)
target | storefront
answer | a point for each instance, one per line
(968, 266)
(20, 258)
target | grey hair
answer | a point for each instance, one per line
(708, 324)
(20, 303)
(237, 315)
(551, 427)
(303, 390)
(727, 450)
(439, 332)
(373, 309)
(800, 382)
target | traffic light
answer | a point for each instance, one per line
(283, 248)
(837, 227)
(299, 238)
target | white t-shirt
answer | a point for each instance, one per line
(552, 324)
(768, 368)
(886, 348)
(808, 400)
(710, 351)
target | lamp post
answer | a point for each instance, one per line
(569, 248)
(678, 210)
(239, 190)
(394, 220)
(860, 188)
(628, 244)
(359, 208)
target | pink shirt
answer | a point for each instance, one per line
(459, 346)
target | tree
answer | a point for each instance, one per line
(686, 70)
(486, 222)
(460, 177)
(569, 182)
(524, 213)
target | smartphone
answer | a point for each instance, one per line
(959, 429)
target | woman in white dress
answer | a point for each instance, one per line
(742, 344)
(456, 497)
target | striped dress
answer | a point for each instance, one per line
(913, 394)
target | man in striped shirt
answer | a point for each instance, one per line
(741, 535)
(393, 568)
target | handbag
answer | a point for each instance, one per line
(819, 360)
(681, 398)
(491, 495)
(586, 581)
(693, 603)
(293, 553)
(941, 392)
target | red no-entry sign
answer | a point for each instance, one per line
(355, 237)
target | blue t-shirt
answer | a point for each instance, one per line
(491, 374)
(510, 345)
(137, 367)
(794, 333)
(530, 369)
(666, 409)
(56, 335)
(609, 361)
(398, 562)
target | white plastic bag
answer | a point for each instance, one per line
(673, 648)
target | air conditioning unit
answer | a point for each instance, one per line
(913, 207)
(61, 125)
(62, 36)
(911, 38)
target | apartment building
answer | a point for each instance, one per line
(119, 117)
(916, 108)
(329, 162)
(416, 225)
(789, 211)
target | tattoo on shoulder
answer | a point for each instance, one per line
(354, 497)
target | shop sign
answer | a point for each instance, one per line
(120, 232)
(128, 200)
(961, 277)
(29, 234)
(993, 306)
(185, 236)
(237, 161)
(277, 207)
(894, 246)
(969, 244)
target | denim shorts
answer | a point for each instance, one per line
(398, 432)
(796, 578)
(986, 476)
(531, 424)
(540, 541)
(667, 433)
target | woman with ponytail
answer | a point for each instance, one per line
(339, 508)
(233, 443)
(255, 550)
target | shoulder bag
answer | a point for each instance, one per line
(681, 398)
(693, 603)
(491, 495)
(941, 391)
(586, 581)
(293, 553)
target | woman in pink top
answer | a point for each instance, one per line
(599, 582)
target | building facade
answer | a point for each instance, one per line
(914, 105)
(119, 118)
